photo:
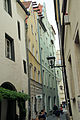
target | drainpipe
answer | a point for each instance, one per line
(27, 58)
(63, 58)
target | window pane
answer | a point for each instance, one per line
(9, 47)
(19, 36)
(24, 65)
(7, 6)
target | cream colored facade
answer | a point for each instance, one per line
(12, 71)
(59, 79)
(72, 55)
(34, 62)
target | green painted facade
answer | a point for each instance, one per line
(47, 48)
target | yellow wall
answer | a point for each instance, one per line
(32, 58)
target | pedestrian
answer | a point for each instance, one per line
(42, 115)
(61, 109)
(57, 114)
(55, 108)
(45, 113)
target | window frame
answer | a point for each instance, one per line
(24, 66)
(9, 54)
(19, 30)
(32, 28)
(37, 55)
(39, 76)
(35, 73)
(7, 7)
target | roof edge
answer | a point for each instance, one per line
(20, 3)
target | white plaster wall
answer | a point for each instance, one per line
(11, 71)
(70, 48)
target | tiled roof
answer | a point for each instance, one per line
(23, 7)
(27, 4)
(40, 7)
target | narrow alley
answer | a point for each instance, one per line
(39, 60)
(62, 117)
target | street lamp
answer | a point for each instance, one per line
(51, 61)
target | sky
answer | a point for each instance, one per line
(51, 17)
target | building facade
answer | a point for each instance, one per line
(70, 52)
(13, 72)
(34, 60)
(47, 48)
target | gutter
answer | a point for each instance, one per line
(20, 3)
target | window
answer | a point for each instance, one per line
(43, 76)
(18, 24)
(52, 42)
(7, 6)
(31, 76)
(77, 38)
(41, 50)
(31, 12)
(37, 55)
(57, 72)
(29, 44)
(34, 73)
(9, 47)
(32, 28)
(33, 49)
(47, 79)
(61, 87)
(24, 65)
(39, 76)
(35, 36)
(50, 82)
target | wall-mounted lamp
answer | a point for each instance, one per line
(51, 61)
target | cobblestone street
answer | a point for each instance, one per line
(53, 117)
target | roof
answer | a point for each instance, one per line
(40, 7)
(26, 4)
(23, 7)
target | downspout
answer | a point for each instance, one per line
(63, 57)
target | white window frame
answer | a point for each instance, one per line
(8, 48)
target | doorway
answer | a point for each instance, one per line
(8, 106)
